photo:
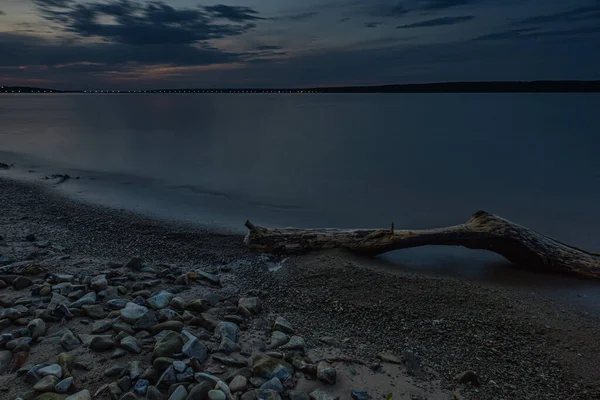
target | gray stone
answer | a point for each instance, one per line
(203, 377)
(296, 343)
(283, 325)
(102, 343)
(131, 344)
(257, 381)
(123, 327)
(87, 300)
(264, 394)
(228, 330)
(95, 311)
(228, 346)
(298, 395)
(412, 361)
(278, 339)
(390, 358)
(230, 361)
(176, 326)
(135, 263)
(217, 395)
(273, 384)
(200, 391)
(141, 386)
(238, 384)
(267, 367)
(146, 321)
(37, 328)
(102, 326)
(326, 372)
(114, 370)
(154, 394)
(129, 396)
(214, 279)
(18, 343)
(166, 314)
(160, 301)
(135, 370)
(83, 395)
(53, 369)
(46, 384)
(132, 312)
(64, 385)
(251, 395)
(179, 394)
(162, 363)
(99, 283)
(320, 395)
(359, 395)
(117, 304)
(252, 304)
(169, 345)
(118, 353)
(195, 349)
(22, 282)
(69, 341)
(197, 305)
(177, 303)
(467, 377)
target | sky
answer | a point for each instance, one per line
(127, 44)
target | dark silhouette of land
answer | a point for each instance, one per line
(444, 87)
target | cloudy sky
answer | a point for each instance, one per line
(122, 44)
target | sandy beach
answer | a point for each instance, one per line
(356, 324)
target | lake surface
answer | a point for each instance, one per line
(421, 160)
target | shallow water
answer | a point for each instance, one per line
(421, 160)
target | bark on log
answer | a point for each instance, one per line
(484, 231)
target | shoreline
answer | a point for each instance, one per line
(520, 345)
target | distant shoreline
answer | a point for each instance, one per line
(443, 87)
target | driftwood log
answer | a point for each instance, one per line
(485, 231)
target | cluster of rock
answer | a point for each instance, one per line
(187, 344)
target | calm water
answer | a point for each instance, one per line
(422, 160)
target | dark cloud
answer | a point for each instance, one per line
(372, 24)
(576, 14)
(345, 19)
(509, 34)
(385, 10)
(154, 23)
(438, 22)
(443, 4)
(299, 17)
(18, 50)
(266, 47)
(2, 12)
(233, 13)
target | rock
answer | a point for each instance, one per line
(99, 283)
(234, 362)
(83, 395)
(102, 343)
(135, 264)
(146, 321)
(116, 304)
(200, 391)
(102, 326)
(129, 396)
(111, 293)
(252, 304)
(30, 237)
(177, 303)
(257, 382)
(168, 377)
(53, 369)
(359, 395)
(123, 327)
(320, 395)
(238, 384)
(278, 339)
(64, 385)
(263, 394)
(296, 343)
(43, 396)
(166, 314)
(267, 367)
(37, 328)
(95, 311)
(141, 387)
(130, 344)
(46, 384)
(154, 394)
(133, 312)
(169, 345)
(273, 384)
(228, 346)
(162, 363)
(197, 305)
(228, 330)
(203, 377)
(326, 372)
(19, 344)
(150, 374)
(66, 362)
(467, 377)
(251, 395)
(114, 391)
(195, 349)
(118, 353)
(160, 301)
(216, 395)
(179, 394)
(214, 279)
(135, 369)
(69, 341)
(412, 361)
(298, 395)
(283, 325)
(22, 282)
(389, 358)
(176, 326)
(87, 300)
